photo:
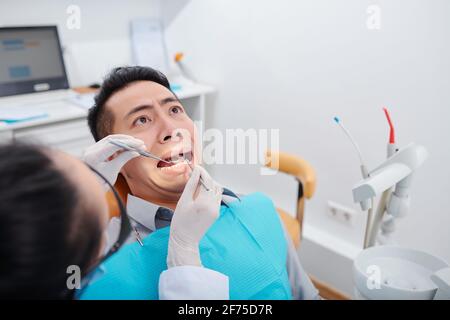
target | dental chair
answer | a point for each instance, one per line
(305, 176)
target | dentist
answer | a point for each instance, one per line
(53, 223)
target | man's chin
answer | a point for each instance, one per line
(171, 181)
(175, 186)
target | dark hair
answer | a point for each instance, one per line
(99, 120)
(44, 227)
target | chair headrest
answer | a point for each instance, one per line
(123, 190)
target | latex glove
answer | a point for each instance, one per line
(193, 216)
(108, 159)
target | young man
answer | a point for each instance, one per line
(247, 243)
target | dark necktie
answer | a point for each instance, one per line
(163, 217)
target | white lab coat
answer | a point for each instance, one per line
(193, 283)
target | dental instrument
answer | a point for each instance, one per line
(367, 204)
(386, 227)
(353, 141)
(388, 271)
(201, 179)
(152, 156)
(141, 152)
(392, 179)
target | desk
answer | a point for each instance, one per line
(66, 127)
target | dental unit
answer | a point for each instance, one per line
(383, 270)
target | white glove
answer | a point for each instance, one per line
(193, 216)
(108, 159)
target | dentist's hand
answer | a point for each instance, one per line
(108, 158)
(193, 216)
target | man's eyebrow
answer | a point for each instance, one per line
(138, 109)
(168, 100)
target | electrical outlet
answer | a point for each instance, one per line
(341, 213)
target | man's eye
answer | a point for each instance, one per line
(176, 109)
(141, 121)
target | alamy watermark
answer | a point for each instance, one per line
(373, 277)
(74, 277)
(235, 146)
(73, 21)
(373, 21)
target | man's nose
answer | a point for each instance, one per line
(171, 136)
(168, 131)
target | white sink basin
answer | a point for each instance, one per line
(392, 272)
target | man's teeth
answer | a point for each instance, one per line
(175, 161)
(175, 166)
(180, 159)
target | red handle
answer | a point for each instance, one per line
(391, 126)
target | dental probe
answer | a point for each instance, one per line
(152, 156)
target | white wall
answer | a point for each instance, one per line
(294, 65)
(100, 44)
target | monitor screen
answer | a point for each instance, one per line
(30, 60)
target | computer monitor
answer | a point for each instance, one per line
(31, 60)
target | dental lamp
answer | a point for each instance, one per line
(388, 271)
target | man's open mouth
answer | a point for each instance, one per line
(183, 157)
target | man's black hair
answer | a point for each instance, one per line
(99, 120)
(44, 226)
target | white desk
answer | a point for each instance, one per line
(66, 128)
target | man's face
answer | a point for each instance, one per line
(150, 112)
